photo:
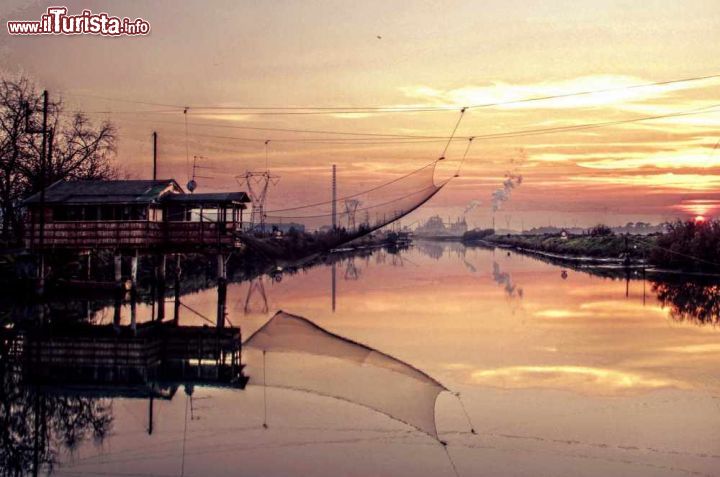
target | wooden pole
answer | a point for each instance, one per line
(222, 303)
(116, 308)
(333, 285)
(178, 271)
(150, 415)
(334, 198)
(134, 269)
(43, 148)
(88, 275)
(154, 155)
(118, 269)
(133, 310)
(160, 274)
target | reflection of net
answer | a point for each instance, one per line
(367, 210)
(331, 365)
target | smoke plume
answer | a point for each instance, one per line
(512, 180)
(473, 204)
(503, 194)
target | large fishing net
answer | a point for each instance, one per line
(361, 211)
(297, 354)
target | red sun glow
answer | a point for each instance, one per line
(699, 218)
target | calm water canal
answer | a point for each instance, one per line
(561, 373)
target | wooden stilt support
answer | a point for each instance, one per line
(222, 291)
(134, 269)
(176, 311)
(160, 275)
(117, 307)
(222, 303)
(133, 310)
(88, 266)
(118, 269)
(221, 268)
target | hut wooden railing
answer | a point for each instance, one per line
(106, 233)
(131, 234)
(200, 233)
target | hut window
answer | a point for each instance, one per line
(176, 213)
(138, 212)
(59, 213)
(106, 212)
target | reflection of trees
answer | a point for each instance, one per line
(690, 301)
(34, 425)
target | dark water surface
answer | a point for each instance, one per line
(561, 373)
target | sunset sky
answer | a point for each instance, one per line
(408, 54)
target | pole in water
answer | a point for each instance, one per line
(265, 425)
(333, 272)
(334, 197)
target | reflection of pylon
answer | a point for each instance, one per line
(257, 186)
(351, 206)
(256, 286)
(351, 271)
(379, 257)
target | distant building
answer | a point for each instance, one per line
(436, 228)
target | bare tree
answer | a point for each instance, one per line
(75, 149)
(15, 146)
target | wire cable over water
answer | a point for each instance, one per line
(358, 213)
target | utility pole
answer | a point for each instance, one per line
(334, 198)
(41, 180)
(43, 150)
(154, 155)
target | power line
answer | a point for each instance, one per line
(134, 111)
(384, 184)
(576, 127)
(462, 161)
(370, 140)
(388, 110)
(391, 109)
(398, 139)
(452, 134)
(596, 91)
(121, 100)
(295, 130)
(370, 207)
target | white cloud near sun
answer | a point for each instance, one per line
(613, 90)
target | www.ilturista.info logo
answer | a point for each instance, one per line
(57, 22)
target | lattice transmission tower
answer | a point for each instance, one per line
(351, 207)
(257, 184)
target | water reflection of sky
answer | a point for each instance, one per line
(568, 377)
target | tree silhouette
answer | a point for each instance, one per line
(690, 301)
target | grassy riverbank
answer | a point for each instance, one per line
(684, 246)
(633, 247)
